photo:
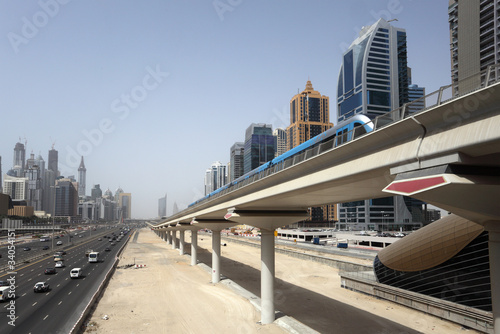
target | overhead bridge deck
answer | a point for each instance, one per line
(447, 155)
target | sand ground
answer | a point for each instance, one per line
(170, 296)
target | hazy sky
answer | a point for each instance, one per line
(151, 93)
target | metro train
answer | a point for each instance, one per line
(342, 132)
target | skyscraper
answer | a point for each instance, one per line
(474, 40)
(66, 198)
(82, 176)
(125, 203)
(309, 116)
(117, 193)
(373, 78)
(162, 206)
(259, 146)
(15, 187)
(41, 164)
(416, 94)
(35, 192)
(53, 161)
(281, 142)
(215, 177)
(96, 192)
(236, 161)
(18, 161)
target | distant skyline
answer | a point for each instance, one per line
(152, 93)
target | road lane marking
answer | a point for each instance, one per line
(34, 304)
(60, 303)
(46, 317)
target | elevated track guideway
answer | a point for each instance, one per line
(447, 154)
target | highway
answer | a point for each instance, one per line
(57, 310)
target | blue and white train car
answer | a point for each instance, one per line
(342, 133)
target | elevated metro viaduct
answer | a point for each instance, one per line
(447, 155)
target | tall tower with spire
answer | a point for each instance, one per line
(309, 116)
(82, 174)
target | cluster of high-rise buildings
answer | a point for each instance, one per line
(373, 80)
(34, 189)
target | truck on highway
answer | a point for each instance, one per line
(93, 257)
(5, 293)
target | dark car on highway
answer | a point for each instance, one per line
(50, 271)
(27, 248)
(45, 247)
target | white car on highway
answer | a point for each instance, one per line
(75, 273)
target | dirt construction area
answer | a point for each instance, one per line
(168, 295)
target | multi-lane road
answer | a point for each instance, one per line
(57, 310)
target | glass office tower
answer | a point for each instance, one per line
(373, 80)
(259, 146)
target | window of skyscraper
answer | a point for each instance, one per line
(348, 71)
(314, 110)
(378, 98)
(360, 55)
(382, 201)
(340, 84)
(351, 103)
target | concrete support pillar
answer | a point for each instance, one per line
(163, 235)
(194, 246)
(174, 239)
(267, 277)
(181, 242)
(169, 237)
(215, 256)
(494, 250)
(267, 221)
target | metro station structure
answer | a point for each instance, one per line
(447, 155)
